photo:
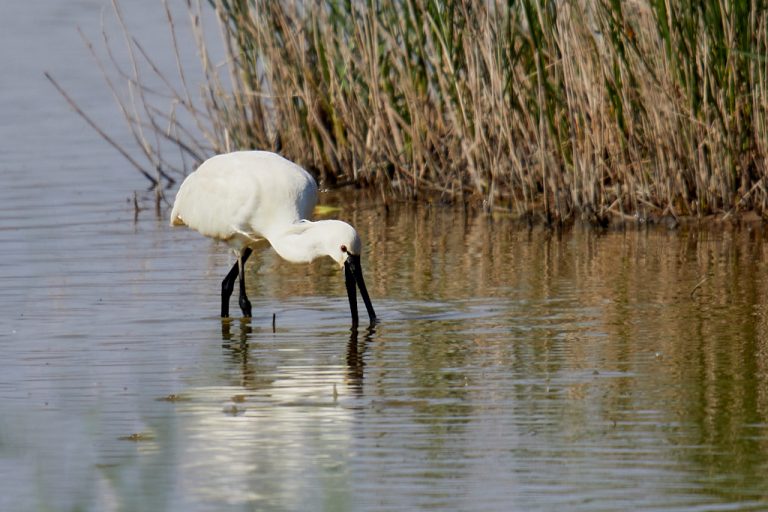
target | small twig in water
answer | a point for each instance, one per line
(698, 285)
(136, 207)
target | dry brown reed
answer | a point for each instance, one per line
(598, 108)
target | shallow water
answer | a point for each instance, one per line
(513, 369)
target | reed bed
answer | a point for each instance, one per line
(594, 108)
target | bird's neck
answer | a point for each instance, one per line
(301, 242)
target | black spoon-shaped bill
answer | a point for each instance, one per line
(353, 277)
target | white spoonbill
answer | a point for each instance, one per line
(246, 196)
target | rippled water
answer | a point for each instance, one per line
(513, 369)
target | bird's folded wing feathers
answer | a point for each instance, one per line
(213, 205)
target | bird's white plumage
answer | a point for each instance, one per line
(244, 195)
(247, 195)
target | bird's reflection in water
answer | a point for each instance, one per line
(242, 335)
(236, 335)
(355, 357)
(237, 345)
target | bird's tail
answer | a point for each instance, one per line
(177, 221)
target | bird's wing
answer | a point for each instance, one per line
(214, 203)
(248, 194)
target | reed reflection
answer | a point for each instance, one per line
(562, 332)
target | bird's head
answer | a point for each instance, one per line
(304, 241)
(341, 241)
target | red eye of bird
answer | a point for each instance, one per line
(343, 248)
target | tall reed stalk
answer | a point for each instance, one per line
(598, 107)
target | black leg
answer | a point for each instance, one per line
(245, 304)
(228, 284)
